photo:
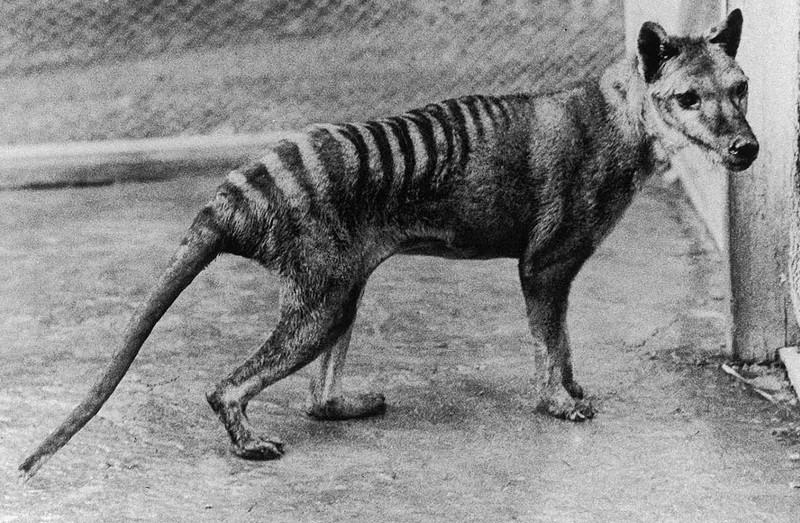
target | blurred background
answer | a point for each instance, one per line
(76, 70)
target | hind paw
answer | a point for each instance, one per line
(348, 407)
(258, 449)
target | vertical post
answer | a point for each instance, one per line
(760, 198)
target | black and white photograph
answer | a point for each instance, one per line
(400, 261)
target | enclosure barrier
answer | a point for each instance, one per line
(78, 70)
(164, 73)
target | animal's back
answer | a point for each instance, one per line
(476, 176)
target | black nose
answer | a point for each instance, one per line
(744, 148)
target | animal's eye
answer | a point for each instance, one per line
(688, 100)
(740, 90)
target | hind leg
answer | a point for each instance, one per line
(310, 322)
(325, 399)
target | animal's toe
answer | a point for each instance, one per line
(561, 404)
(581, 412)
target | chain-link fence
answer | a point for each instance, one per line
(100, 69)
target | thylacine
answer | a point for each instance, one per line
(539, 178)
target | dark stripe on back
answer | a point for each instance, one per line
(496, 102)
(289, 155)
(352, 134)
(472, 105)
(399, 127)
(387, 162)
(488, 107)
(425, 128)
(438, 112)
(233, 195)
(259, 178)
(331, 156)
(286, 228)
(460, 128)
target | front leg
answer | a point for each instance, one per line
(546, 296)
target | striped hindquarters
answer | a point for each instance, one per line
(359, 173)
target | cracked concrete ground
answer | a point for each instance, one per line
(675, 439)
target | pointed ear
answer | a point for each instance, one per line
(654, 49)
(728, 33)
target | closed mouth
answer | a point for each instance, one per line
(737, 164)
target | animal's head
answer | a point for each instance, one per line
(695, 93)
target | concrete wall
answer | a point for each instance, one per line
(760, 199)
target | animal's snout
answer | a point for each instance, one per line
(744, 149)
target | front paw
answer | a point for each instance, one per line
(258, 449)
(561, 404)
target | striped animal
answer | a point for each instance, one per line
(538, 178)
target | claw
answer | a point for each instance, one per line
(561, 404)
(576, 416)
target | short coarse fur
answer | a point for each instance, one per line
(539, 178)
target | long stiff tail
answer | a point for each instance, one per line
(200, 246)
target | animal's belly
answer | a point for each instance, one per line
(458, 250)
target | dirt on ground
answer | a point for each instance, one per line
(675, 439)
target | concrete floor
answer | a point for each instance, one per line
(675, 438)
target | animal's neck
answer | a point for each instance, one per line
(624, 90)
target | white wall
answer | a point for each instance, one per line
(760, 198)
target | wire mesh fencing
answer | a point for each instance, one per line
(104, 69)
